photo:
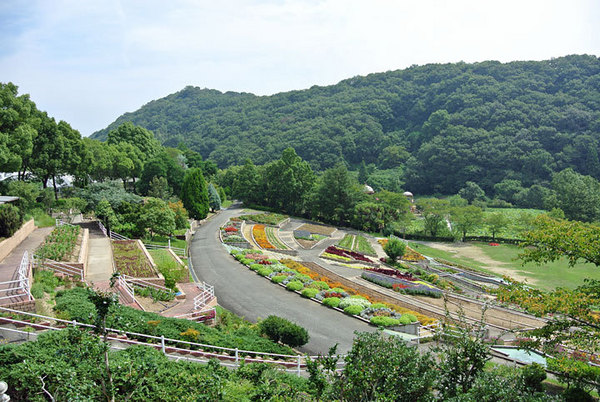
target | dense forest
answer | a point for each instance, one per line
(437, 126)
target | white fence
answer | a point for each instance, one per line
(102, 228)
(201, 311)
(181, 252)
(20, 287)
(111, 234)
(173, 348)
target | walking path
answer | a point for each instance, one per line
(9, 267)
(100, 257)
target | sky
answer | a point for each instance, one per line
(87, 62)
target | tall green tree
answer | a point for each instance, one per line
(466, 219)
(158, 217)
(577, 195)
(434, 212)
(471, 192)
(214, 200)
(335, 196)
(194, 194)
(496, 222)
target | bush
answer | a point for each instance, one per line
(411, 317)
(264, 271)
(320, 285)
(310, 293)
(247, 261)
(255, 267)
(404, 320)
(354, 309)
(278, 278)
(349, 301)
(294, 285)
(378, 305)
(10, 220)
(331, 301)
(575, 394)
(533, 375)
(381, 321)
(281, 330)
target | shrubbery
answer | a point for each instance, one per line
(294, 285)
(255, 267)
(331, 301)
(264, 271)
(319, 285)
(278, 278)
(383, 321)
(353, 309)
(310, 292)
(10, 220)
(281, 330)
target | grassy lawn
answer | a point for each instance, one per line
(164, 241)
(42, 219)
(362, 245)
(547, 276)
(168, 266)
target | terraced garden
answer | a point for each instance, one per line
(357, 243)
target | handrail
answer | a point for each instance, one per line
(142, 283)
(177, 250)
(116, 236)
(296, 359)
(59, 267)
(22, 281)
(102, 228)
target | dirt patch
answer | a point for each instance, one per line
(463, 250)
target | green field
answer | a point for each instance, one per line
(547, 276)
(519, 218)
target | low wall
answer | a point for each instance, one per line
(8, 245)
(84, 250)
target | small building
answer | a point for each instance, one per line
(368, 189)
(4, 199)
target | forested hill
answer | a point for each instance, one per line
(443, 124)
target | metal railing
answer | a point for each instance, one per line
(207, 293)
(142, 283)
(181, 252)
(190, 351)
(20, 287)
(116, 236)
(59, 267)
(129, 290)
(102, 228)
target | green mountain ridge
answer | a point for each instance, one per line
(440, 124)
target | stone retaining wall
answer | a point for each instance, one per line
(8, 245)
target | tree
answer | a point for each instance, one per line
(577, 195)
(496, 222)
(181, 215)
(434, 213)
(158, 217)
(159, 188)
(137, 136)
(394, 248)
(507, 189)
(246, 183)
(10, 220)
(194, 194)
(472, 192)
(466, 218)
(214, 201)
(363, 175)
(552, 239)
(384, 368)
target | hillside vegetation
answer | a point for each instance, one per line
(441, 124)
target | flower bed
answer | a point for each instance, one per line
(297, 277)
(346, 254)
(231, 233)
(131, 260)
(266, 218)
(412, 255)
(392, 272)
(273, 239)
(260, 237)
(413, 287)
(59, 244)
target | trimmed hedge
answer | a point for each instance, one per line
(310, 292)
(331, 301)
(294, 285)
(278, 278)
(281, 330)
(353, 309)
(264, 271)
(382, 321)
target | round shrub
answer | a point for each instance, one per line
(10, 220)
(278, 278)
(310, 293)
(279, 329)
(404, 320)
(303, 278)
(378, 305)
(331, 301)
(411, 317)
(353, 310)
(264, 271)
(247, 261)
(381, 321)
(320, 285)
(358, 297)
(255, 267)
(348, 301)
(294, 285)
(338, 290)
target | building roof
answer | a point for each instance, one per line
(408, 194)
(6, 198)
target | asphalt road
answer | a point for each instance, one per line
(247, 294)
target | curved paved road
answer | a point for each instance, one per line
(245, 293)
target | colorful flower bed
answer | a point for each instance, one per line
(274, 239)
(412, 255)
(260, 237)
(412, 287)
(231, 233)
(265, 219)
(131, 260)
(297, 277)
(392, 272)
(59, 244)
(346, 255)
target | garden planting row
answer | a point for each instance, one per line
(399, 283)
(231, 234)
(295, 276)
(357, 243)
(339, 254)
(60, 244)
(264, 218)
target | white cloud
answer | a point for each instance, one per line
(89, 62)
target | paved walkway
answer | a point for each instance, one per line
(243, 292)
(9, 267)
(100, 257)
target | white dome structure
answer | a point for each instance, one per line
(408, 194)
